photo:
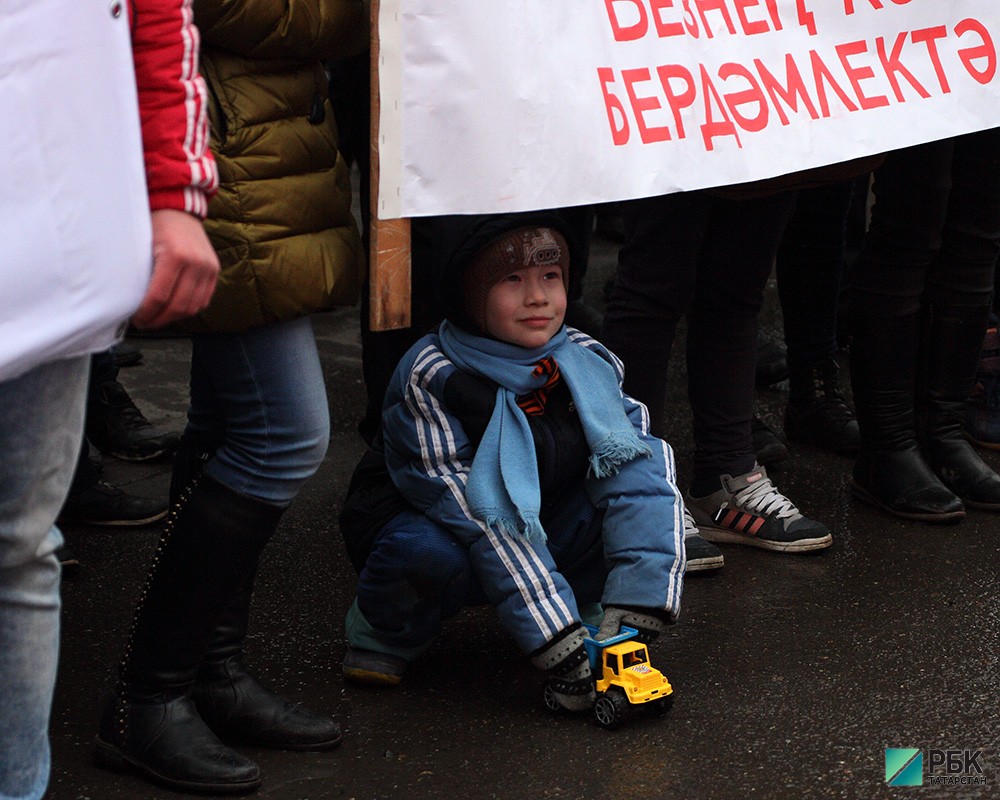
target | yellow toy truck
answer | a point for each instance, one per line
(624, 678)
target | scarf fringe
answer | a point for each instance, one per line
(529, 527)
(613, 451)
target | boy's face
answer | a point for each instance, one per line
(527, 306)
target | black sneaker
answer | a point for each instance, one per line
(702, 556)
(748, 509)
(107, 505)
(822, 416)
(767, 447)
(117, 428)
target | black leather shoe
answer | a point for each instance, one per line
(962, 470)
(164, 740)
(954, 338)
(240, 710)
(117, 428)
(901, 482)
(829, 424)
(818, 413)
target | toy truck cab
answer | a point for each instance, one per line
(624, 677)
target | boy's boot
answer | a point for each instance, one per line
(701, 554)
(569, 684)
(237, 707)
(890, 472)
(209, 547)
(953, 339)
(817, 411)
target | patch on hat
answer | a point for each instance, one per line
(541, 249)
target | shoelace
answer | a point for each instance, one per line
(690, 528)
(764, 498)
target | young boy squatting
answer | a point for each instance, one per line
(521, 475)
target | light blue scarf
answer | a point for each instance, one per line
(502, 488)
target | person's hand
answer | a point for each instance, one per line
(611, 624)
(185, 268)
(648, 622)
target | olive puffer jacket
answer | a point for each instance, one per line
(281, 221)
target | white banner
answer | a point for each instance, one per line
(523, 104)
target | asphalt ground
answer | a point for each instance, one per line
(792, 674)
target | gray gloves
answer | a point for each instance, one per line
(649, 622)
(569, 681)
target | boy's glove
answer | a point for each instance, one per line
(567, 670)
(648, 621)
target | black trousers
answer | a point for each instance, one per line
(930, 254)
(708, 257)
(935, 228)
(810, 267)
(88, 470)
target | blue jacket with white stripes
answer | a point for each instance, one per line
(433, 419)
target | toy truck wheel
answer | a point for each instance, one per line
(549, 696)
(610, 709)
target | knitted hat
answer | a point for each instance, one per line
(515, 249)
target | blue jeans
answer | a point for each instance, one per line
(419, 575)
(41, 428)
(259, 397)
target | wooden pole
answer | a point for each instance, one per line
(389, 256)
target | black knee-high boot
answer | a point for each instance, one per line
(209, 546)
(228, 697)
(952, 341)
(237, 707)
(890, 471)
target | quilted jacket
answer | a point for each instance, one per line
(281, 221)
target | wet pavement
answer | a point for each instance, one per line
(792, 674)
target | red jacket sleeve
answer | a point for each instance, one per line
(180, 170)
